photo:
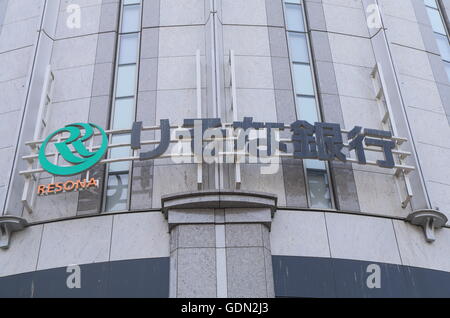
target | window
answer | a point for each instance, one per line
(316, 172)
(124, 106)
(440, 32)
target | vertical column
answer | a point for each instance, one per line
(384, 53)
(33, 59)
(90, 202)
(344, 184)
(220, 244)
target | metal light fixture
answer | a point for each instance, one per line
(429, 220)
(8, 225)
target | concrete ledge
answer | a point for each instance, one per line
(214, 199)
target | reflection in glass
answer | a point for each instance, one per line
(444, 47)
(294, 17)
(123, 113)
(303, 79)
(447, 69)
(315, 164)
(131, 19)
(120, 152)
(319, 190)
(117, 192)
(431, 3)
(126, 78)
(307, 109)
(440, 32)
(128, 49)
(125, 2)
(436, 21)
(299, 47)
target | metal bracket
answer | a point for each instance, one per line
(8, 225)
(429, 220)
(199, 111)
(234, 107)
(388, 120)
(42, 122)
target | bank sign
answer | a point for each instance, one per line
(73, 150)
(76, 148)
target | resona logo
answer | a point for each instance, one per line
(78, 155)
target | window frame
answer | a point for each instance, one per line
(442, 17)
(117, 64)
(306, 33)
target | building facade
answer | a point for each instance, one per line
(174, 228)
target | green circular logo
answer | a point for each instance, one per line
(78, 155)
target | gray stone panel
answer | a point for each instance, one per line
(191, 216)
(139, 235)
(23, 252)
(437, 67)
(277, 42)
(2, 195)
(248, 215)
(247, 265)
(151, 14)
(326, 78)
(196, 273)
(275, 15)
(18, 63)
(244, 235)
(294, 184)
(90, 201)
(444, 92)
(14, 37)
(75, 52)
(103, 80)
(286, 112)
(173, 279)
(196, 236)
(150, 42)
(270, 284)
(106, 48)
(315, 16)
(343, 181)
(345, 187)
(332, 109)
(12, 94)
(354, 23)
(141, 188)
(90, 24)
(281, 73)
(321, 46)
(109, 16)
(99, 110)
(299, 233)
(244, 12)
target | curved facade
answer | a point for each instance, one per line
(162, 227)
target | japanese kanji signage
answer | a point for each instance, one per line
(78, 147)
(320, 141)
